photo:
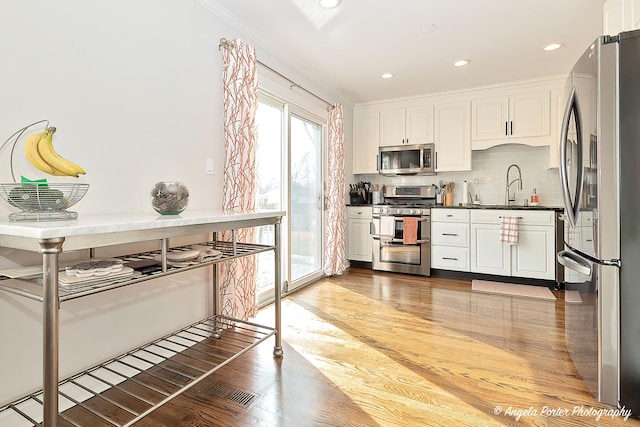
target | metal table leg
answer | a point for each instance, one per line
(277, 350)
(50, 248)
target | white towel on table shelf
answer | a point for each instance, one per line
(387, 228)
(509, 230)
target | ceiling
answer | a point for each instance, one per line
(349, 47)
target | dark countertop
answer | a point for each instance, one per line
(501, 207)
(505, 207)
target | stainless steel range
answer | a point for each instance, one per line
(402, 230)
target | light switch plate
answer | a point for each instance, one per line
(208, 166)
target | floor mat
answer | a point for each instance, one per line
(572, 297)
(512, 289)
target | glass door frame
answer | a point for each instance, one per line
(291, 285)
(288, 109)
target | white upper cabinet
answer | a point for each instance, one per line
(559, 102)
(453, 136)
(620, 15)
(499, 119)
(365, 140)
(412, 125)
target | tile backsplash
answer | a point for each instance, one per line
(489, 170)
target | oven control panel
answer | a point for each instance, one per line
(395, 210)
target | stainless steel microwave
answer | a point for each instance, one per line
(407, 160)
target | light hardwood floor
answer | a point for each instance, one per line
(378, 349)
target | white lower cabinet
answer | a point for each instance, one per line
(532, 257)
(488, 254)
(450, 239)
(359, 233)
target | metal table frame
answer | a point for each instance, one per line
(51, 247)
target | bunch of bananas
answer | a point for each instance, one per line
(39, 151)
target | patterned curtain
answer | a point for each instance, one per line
(335, 253)
(238, 283)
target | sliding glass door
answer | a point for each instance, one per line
(306, 197)
(290, 178)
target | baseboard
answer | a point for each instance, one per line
(361, 264)
(551, 284)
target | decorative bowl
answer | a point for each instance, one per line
(169, 197)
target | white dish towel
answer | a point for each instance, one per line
(387, 228)
(509, 230)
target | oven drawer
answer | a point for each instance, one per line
(401, 254)
(450, 234)
(450, 258)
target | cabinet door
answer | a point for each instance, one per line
(452, 137)
(634, 14)
(488, 254)
(489, 118)
(392, 127)
(534, 255)
(529, 114)
(359, 240)
(613, 16)
(365, 141)
(419, 125)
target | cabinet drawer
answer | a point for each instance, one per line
(493, 216)
(450, 215)
(450, 258)
(451, 234)
(359, 212)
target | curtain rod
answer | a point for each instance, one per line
(224, 42)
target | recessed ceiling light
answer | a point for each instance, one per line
(330, 4)
(553, 46)
(386, 75)
(461, 62)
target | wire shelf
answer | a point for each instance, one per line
(124, 389)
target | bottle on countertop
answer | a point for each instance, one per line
(534, 198)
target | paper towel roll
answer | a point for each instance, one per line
(465, 192)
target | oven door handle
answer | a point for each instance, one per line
(377, 237)
(399, 218)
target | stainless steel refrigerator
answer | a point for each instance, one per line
(600, 175)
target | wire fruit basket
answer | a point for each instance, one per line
(42, 201)
(39, 200)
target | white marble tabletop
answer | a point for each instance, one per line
(113, 223)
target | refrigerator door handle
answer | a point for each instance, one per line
(571, 209)
(574, 262)
(614, 262)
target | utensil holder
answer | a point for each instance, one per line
(448, 199)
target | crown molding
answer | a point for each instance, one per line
(224, 14)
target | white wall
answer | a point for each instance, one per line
(134, 89)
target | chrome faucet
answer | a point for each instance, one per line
(507, 197)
